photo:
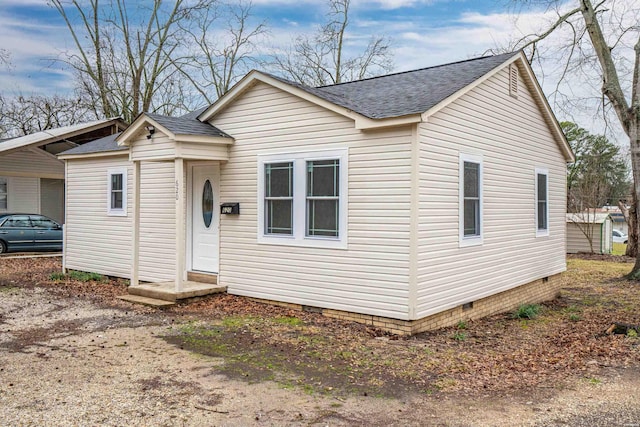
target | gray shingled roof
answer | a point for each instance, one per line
(393, 95)
(187, 126)
(108, 143)
(410, 92)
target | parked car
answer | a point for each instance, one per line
(27, 232)
(620, 237)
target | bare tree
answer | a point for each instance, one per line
(221, 57)
(605, 38)
(25, 115)
(5, 57)
(124, 57)
(323, 58)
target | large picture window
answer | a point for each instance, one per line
(117, 192)
(470, 200)
(542, 202)
(4, 194)
(302, 199)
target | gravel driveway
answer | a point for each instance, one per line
(68, 361)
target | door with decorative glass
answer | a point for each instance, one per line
(205, 218)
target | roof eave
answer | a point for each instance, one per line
(366, 123)
(101, 124)
(204, 139)
(94, 154)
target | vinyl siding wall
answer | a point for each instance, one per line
(371, 276)
(31, 163)
(159, 146)
(513, 139)
(23, 194)
(95, 241)
(157, 221)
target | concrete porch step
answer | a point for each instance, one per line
(152, 302)
(166, 290)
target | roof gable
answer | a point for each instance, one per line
(405, 94)
(185, 128)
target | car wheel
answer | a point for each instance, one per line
(3, 247)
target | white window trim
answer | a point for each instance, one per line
(120, 211)
(8, 180)
(299, 237)
(465, 241)
(541, 171)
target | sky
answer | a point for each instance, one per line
(422, 33)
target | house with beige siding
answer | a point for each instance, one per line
(32, 177)
(408, 201)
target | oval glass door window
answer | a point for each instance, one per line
(207, 203)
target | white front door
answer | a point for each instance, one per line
(205, 218)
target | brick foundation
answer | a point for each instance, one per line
(534, 292)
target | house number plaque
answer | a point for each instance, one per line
(230, 208)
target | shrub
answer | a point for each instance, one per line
(527, 311)
(460, 336)
(58, 275)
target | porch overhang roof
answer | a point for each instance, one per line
(189, 146)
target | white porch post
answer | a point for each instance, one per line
(180, 223)
(135, 252)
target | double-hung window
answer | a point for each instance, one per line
(4, 194)
(302, 199)
(542, 202)
(117, 192)
(470, 204)
(278, 198)
(323, 198)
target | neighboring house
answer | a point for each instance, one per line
(32, 177)
(409, 201)
(599, 226)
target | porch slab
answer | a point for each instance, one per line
(167, 290)
(151, 302)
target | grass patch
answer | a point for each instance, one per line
(527, 311)
(80, 276)
(619, 249)
(288, 320)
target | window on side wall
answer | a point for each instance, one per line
(470, 204)
(302, 199)
(117, 192)
(542, 202)
(4, 194)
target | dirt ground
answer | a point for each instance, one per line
(72, 354)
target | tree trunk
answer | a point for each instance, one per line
(631, 219)
(634, 143)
